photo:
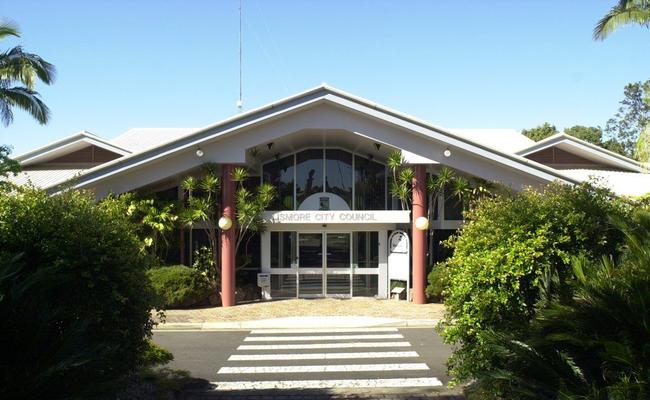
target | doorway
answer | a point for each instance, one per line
(324, 273)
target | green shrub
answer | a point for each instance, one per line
(74, 298)
(438, 280)
(155, 355)
(179, 286)
(595, 346)
(514, 253)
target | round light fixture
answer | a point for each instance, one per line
(421, 223)
(225, 223)
(447, 153)
(199, 152)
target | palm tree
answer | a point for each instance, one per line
(626, 12)
(19, 72)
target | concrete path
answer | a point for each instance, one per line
(295, 313)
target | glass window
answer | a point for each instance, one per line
(280, 174)
(309, 174)
(366, 249)
(453, 206)
(310, 253)
(369, 184)
(338, 250)
(365, 285)
(283, 286)
(283, 249)
(338, 174)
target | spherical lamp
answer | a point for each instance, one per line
(225, 223)
(421, 223)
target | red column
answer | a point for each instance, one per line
(228, 239)
(419, 253)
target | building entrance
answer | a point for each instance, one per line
(324, 264)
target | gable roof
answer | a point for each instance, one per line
(319, 94)
(140, 139)
(507, 140)
(583, 149)
(68, 145)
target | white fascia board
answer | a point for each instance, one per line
(56, 146)
(592, 149)
(432, 132)
(169, 148)
(304, 100)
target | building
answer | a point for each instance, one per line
(325, 151)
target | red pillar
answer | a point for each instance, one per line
(419, 253)
(228, 239)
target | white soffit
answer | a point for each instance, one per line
(321, 94)
(68, 145)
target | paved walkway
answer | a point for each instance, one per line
(355, 307)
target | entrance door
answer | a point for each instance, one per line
(324, 273)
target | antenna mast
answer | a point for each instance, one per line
(240, 102)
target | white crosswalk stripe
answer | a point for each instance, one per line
(274, 364)
(323, 356)
(329, 384)
(326, 330)
(314, 338)
(280, 369)
(301, 346)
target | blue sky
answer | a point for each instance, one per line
(482, 64)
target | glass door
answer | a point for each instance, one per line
(310, 264)
(324, 273)
(337, 271)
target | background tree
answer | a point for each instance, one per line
(19, 72)
(540, 132)
(632, 117)
(626, 12)
(589, 134)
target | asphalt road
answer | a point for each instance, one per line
(385, 361)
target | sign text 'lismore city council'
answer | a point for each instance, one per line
(333, 217)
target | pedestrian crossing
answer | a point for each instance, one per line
(330, 358)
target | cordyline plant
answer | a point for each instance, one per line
(203, 207)
(446, 182)
(249, 206)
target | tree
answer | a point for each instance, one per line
(540, 132)
(514, 254)
(19, 72)
(631, 118)
(7, 165)
(626, 12)
(593, 346)
(591, 134)
(250, 205)
(75, 304)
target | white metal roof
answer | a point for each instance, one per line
(506, 140)
(140, 139)
(622, 183)
(44, 178)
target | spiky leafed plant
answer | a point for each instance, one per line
(19, 72)
(402, 178)
(625, 12)
(202, 205)
(596, 346)
(250, 205)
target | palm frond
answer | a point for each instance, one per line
(624, 13)
(8, 28)
(17, 65)
(24, 98)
